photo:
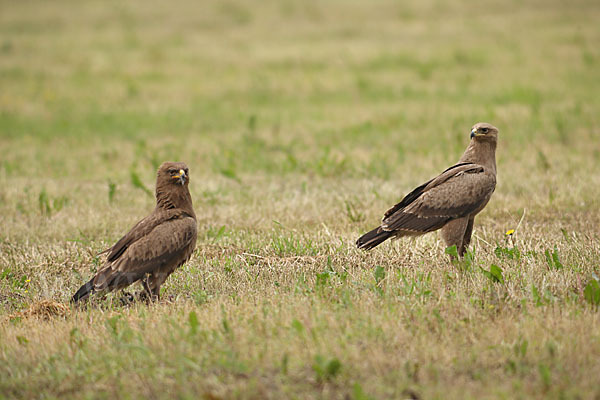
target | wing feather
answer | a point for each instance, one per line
(169, 243)
(457, 192)
(412, 196)
(139, 230)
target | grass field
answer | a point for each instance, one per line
(301, 122)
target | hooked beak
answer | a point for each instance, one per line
(181, 176)
(473, 133)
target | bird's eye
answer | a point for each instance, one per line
(484, 130)
(172, 171)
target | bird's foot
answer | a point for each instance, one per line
(147, 297)
(127, 299)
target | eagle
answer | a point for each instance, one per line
(449, 201)
(156, 246)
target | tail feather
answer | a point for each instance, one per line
(83, 292)
(373, 238)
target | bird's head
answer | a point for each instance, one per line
(173, 173)
(482, 131)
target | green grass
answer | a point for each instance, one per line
(301, 122)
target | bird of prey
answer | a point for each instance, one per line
(449, 201)
(156, 245)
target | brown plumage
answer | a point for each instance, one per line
(448, 202)
(155, 246)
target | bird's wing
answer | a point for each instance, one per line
(171, 241)
(458, 191)
(139, 230)
(412, 196)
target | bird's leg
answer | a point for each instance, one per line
(453, 234)
(467, 237)
(146, 285)
(156, 280)
(146, 294)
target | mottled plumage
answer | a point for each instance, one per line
(155, 246)
(448, 202)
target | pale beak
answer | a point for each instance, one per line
(473, 133)
(181, 176)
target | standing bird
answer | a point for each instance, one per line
(449, 201)
(155, 246)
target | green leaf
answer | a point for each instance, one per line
(59, 203)
(137, 182)
(22, 340)
(544, 374)
(352, 213)
(318, 367)
(193, 322)
(226, 327)
(220, 233)
(112, 325)
(379, 274)
(326, 370)
(333, 367)
(520, 347)
(215, 233)
(555, 259)
(298, 327)
(112, 189)
(536, 295)
(76, 338)
(44, 203)
(512, 253)
(452, 251)
(552, 259)
(494, 274)
(252, 123)
(284, 363)
(523, 348)
(229, 172)
(549, 258)
(592, 292)
(322, 278)
(468, 259)
(358, 393)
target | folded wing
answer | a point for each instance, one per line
(169, 243)
(458, 191)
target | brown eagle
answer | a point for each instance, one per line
(449, 201)
(155, 246)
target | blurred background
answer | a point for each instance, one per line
(95, 94)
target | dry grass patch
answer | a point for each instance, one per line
(301, 122)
